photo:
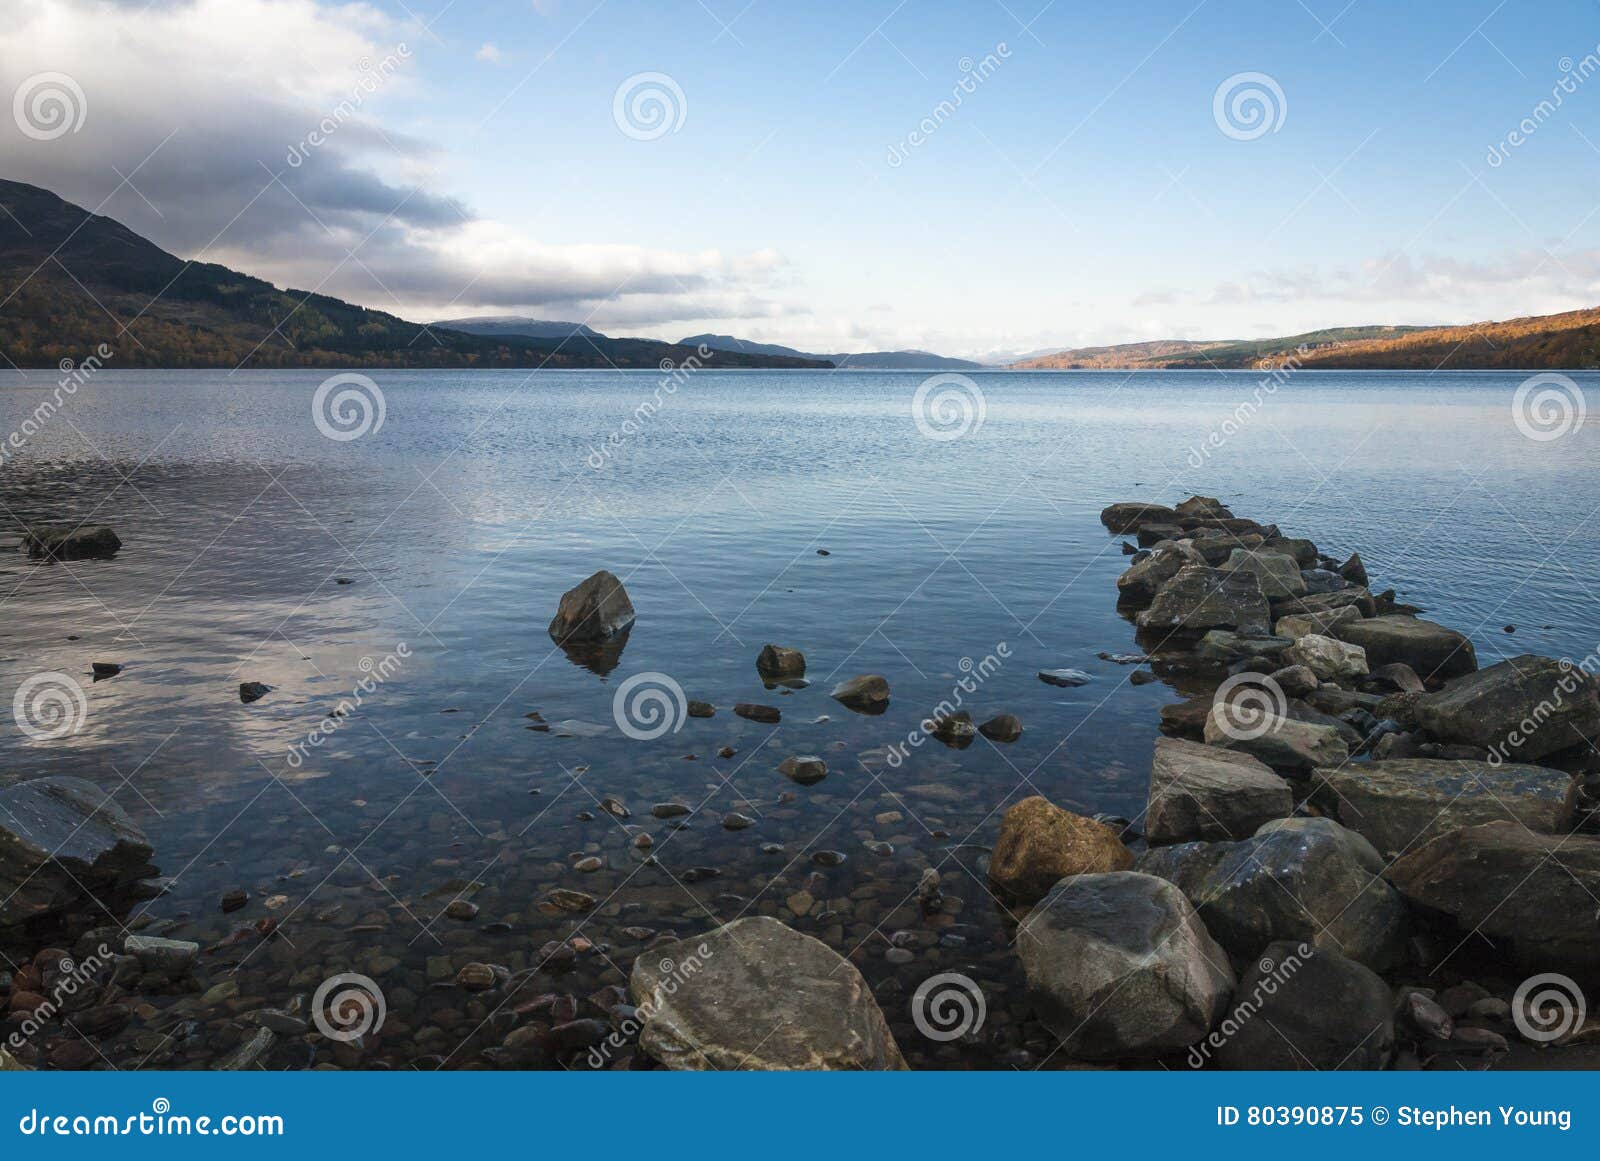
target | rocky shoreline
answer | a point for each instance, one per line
(1358, 849)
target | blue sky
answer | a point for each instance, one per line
(1083, 192)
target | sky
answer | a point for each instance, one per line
(982, 179)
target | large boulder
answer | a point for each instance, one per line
(1398, 805)
(1328, 658)
(63, 844)
(70, 541)
(1534, 892)
(595, 610)
(1304, 1008)
(1040, 844)
(1198, 599)
(756, 994)
(1432, 650)
(1298, 625)
(1140, 583)
(1519, 710)
(1128, 515)
(1267, 730)
(1120, 966)
(1208, 793)
(1278, 572)
(1304, 879)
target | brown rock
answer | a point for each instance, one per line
(1040, 844)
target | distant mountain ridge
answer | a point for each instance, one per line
(864, 360)
(73, 281)
(519, 325)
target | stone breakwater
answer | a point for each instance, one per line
(1354, 832)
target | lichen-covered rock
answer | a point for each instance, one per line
(1297, 625)
(1398, 805)
(65, 843)
(1278, 572)
(1208, 793)
(1253, 726)
(1432, 650)
(1536, 893)
(1120, 966)
(1328, 658)
(1040, 844)
(1140, 583)
(1519, 710)
(1305, 879)
(755, 994)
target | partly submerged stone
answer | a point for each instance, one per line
(1305, 879)
(1517, 710)
(594, 610)
(757, 995)
(777, 661)
(1400, 804)
(65, 844)
(1432, 650)
(1200, 792)
(868, 693)
(1040, 844)
(71, 541)
(1128, 515)
(1120, 966)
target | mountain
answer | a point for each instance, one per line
(1205, 353)
(864, 360)
(72, 280)
(511, 324)
(1569, 341)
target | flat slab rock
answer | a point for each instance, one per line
(1534, 892)
(1520, 709)
(1399, 804)
(756, 994)
(1198, 599)
(1432, 650)
(1120, 966)
(61, 837)
(1207, 793)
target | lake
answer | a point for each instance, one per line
(422, 560)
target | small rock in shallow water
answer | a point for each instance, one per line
(868, 693)
(588, 865)
(702, 709)
(643, 842)
(461, 909)
(882, 849)
(615, 807)
(827, 858)
(669, 810)
(899, 955)
(726, 752)
(104, 669)
(758, 713)
(1002, 728)
(733, 820)
(250, 691)
(778, 661)
(1066, 677)
(805, 769)
(234, 899)
(475, 977)
(576, 902)
(700, 874)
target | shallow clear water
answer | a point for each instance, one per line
(484, 495)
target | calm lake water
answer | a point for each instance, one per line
(458, 524)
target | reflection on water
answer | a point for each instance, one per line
(394, 591)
